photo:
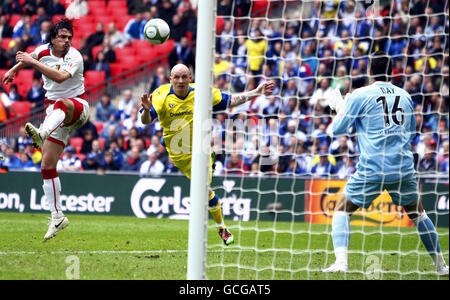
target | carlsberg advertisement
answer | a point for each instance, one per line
(242, 198)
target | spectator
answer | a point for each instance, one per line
(428, 164)
(182, 54)
(177, 29)
(323, 167)
(14, 94)
(90, 162)
(41, 16)
(77, 9)
(6, 30)
(256, 49)
(24, 163)
(6, 107)
(159, 79)
(112, 130)
(88, 137)
(102, 65)
(166, 11)
(108, 163)
(12, 7)
(36, 94)
(132, 122)
(96, 38)
(134, 28)
(347, 167)
(116, 38)
(22, 140)
(105, 109)
(11, 160)
(322, 94)
(43, 34)
(225, 40)
(55, 8)
(235, 165)
(126, 105)
(70, 161)
(133, 163)
(152, 166)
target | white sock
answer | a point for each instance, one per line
(53, 120)
(52, 191)
(341, 254)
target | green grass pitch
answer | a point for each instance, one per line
(109, 247)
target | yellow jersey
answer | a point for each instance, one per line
(176, 116)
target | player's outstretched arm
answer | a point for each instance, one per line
(146, 103)
(58, 76)
(265, 88)
(9, 76)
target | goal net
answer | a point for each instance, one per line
(279, 171)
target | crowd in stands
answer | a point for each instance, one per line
(327, 47)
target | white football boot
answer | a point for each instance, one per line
(442, 270)
(35, 135)
(336, 267)
(55, 226)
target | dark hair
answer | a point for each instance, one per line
(62, 24)
(380, 66)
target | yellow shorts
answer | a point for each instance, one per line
(184, 165)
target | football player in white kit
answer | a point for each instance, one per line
(62, 72)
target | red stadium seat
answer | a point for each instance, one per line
(260, 8)
(96, 7)
(14, 19)
(92, 78)
(219, 24)
(124, 52)
(21, 107)
(116, 69)
(96, 50)
(99, 126)
(5, 43)
(102, 143)
(165, 48)
(77, 143)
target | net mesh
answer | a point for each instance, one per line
(281, 169)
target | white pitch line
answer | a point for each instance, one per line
(110, 252)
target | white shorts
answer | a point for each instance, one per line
(81, 115)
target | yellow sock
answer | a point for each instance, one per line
(216, 213)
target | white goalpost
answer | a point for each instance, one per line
(276, 190)
(201, 141)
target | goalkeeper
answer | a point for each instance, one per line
(384, 118)
(173, 105)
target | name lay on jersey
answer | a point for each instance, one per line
(72, 62)
(385, 123)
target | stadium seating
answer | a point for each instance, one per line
(99, 126)
(93, 78)
(77, 143)
(21, 107)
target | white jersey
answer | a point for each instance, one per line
(72, 62)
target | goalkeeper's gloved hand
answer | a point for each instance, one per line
(336, 102)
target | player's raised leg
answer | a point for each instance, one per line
(428, 235)
(214, 208)
(340, 234)
(61, 112)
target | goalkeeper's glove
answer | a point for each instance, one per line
(336, 102)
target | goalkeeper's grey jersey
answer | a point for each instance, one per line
(383, 115)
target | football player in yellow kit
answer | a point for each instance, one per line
(173, 105)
